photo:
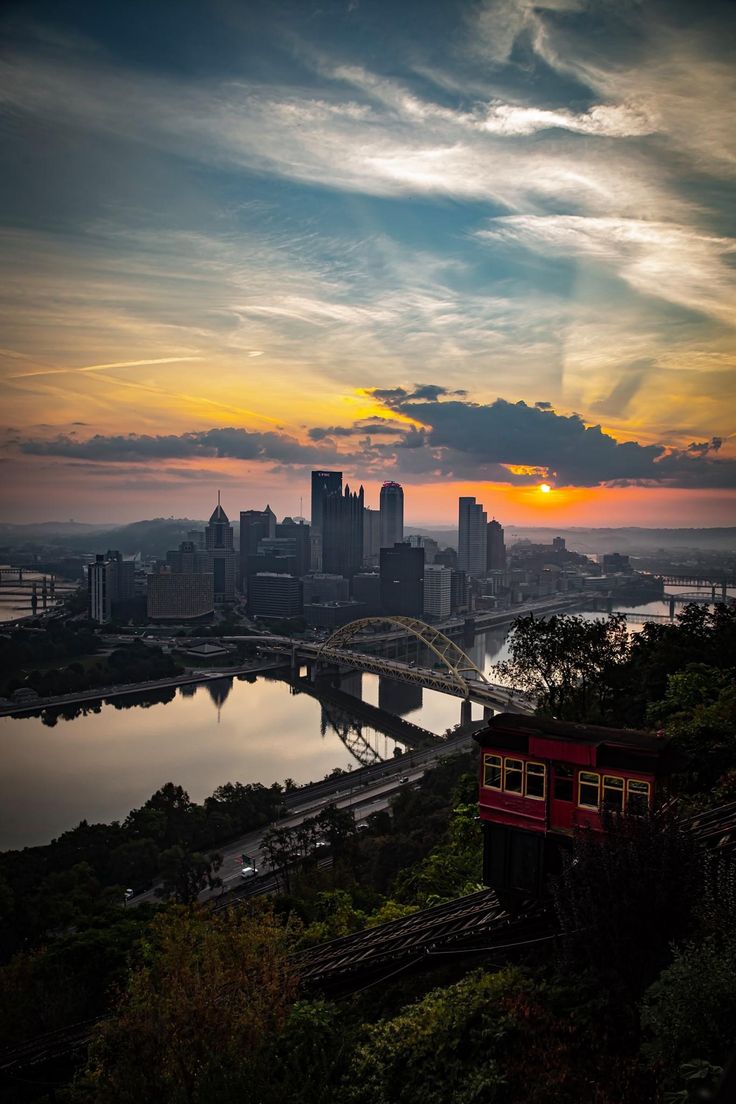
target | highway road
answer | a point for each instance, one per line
(362, 792)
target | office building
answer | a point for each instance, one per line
(319, 588)
(437, 591)
(180, 596)
(342, 532)
(331, 615)
(367, 590)
(221, 558)
(471, 553)
(459, 591)
(402, 580)
(371, 537)
(324, 483)
(392, 514)
(110, 581)
(558, 545)
(297, 534)
(614, 563)
(255, 525)
(273, 595)
(187, 559)
(447, 557)
(495, 547)
(431, 547)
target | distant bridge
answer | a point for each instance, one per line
(453, 672)
(715, 581)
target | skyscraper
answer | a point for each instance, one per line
(323, 483)
(392, 514)
(402, 580)
(496, 547)
(471, 552)
(254, 526)
(342, 532)
(437, 590)
(371, 537)
(218, 543)
(110, 579)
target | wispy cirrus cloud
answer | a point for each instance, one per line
(657, 258)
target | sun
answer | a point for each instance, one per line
(545, 488)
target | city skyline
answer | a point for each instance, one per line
(473, 248)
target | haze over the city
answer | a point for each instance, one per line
(479, 248)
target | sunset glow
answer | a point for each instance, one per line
(232, 254)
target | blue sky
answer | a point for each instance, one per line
(261, 217)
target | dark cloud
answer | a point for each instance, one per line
(468, 440)
(383, 426)
(231, 443)
(451, 439)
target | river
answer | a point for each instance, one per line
(112, 756)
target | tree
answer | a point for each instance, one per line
(690, 1011)
(206, 997)
(568, 664)
(280, 849)
(446, 1046)
(623, 899)
(698, 712)
(185, 874)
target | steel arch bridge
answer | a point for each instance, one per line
(458, 665)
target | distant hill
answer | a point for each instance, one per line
(149, 538)
(629, 540)
(42, 529)
(153, 537)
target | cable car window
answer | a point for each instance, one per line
(513, 774)
(637, 797)
(492, 772)
(589, 790)
(535, 777)
(563, 782)
(613, 793)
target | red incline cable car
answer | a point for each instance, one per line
(542, 779)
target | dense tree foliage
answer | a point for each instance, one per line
(595, 671)
(567, 663)
(623, 899)
(25, 649)
(203, 1002)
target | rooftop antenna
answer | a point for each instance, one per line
(218, 498)
(301, 511)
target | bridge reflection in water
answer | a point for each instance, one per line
(453, 671)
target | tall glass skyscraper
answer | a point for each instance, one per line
(472, 537)
(218, 543)
(392, 514)
(342, 533)
(324, 483)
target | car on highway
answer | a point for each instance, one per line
(249, 872)
(403, 780)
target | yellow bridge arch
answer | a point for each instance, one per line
(459, 666)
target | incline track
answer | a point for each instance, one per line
(716, 829)
(469, 923)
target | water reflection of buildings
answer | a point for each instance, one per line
(352, 683)
(398, 698)
(188, 690)
(219, 690)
